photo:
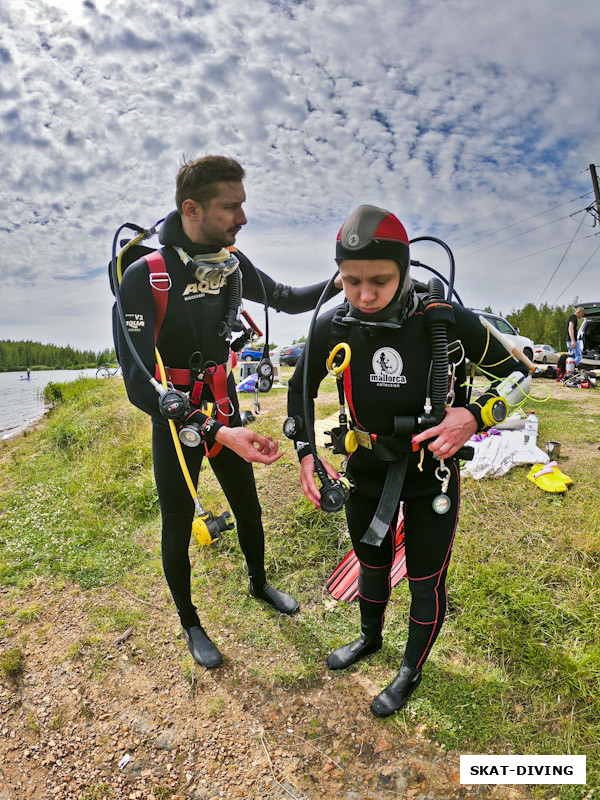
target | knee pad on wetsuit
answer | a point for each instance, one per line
(374, 583)
(428, 598)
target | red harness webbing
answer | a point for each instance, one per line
(160, 281)
(348, 392)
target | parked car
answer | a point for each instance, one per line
(250, 353)
(589, 334)
(290, 355)
(524, 343)
(545, 354)
(274, 354)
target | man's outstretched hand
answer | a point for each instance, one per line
(248, 444)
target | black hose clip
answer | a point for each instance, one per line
(339, 440)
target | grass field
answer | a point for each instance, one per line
(516, 668)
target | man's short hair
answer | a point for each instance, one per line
(580, 309)
(197, 180)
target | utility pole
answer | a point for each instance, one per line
(596, 191)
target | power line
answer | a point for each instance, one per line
(512, 225)
(562, 259)
(529, 255)
(519, 197)
(529, 230)
(577, 274)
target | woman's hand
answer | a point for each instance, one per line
(454, 430)
(307, 479)
(251, 446)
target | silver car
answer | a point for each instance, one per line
(545, 354)
(524, 343)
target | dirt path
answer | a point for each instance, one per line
(97, 717)
(94, 717)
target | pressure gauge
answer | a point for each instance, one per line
(291, 426)
(441, 504)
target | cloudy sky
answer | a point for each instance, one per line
(473, 121)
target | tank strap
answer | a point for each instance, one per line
(388, 503)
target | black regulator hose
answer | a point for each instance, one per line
(414, 263)
(234, 299)
(308, 419)
(144, 233)
(450, 258)
(439, 354)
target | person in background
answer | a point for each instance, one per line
(573, 343)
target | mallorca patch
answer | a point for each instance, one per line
(387, 368)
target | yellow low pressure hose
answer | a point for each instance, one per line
(139, 238)
(177, 443)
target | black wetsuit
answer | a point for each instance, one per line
(388, 376)
(194, 314)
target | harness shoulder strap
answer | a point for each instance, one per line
(160, 281)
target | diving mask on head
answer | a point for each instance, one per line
(210, 266)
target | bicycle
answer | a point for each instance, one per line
(106, 371)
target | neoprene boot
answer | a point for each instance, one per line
(349, 654)
(281, 601)
(397, 693)
(371, 625)
(203, 650)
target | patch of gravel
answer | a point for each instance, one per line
(137, 729)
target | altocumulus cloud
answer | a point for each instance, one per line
(440, 111)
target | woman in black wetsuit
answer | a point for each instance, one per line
(386, 325)
(209, 215)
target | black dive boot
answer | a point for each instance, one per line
(397, 693)
(283, 602)
(349, 654)
(371, 625)
(200, 646)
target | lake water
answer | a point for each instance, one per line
(23, 401)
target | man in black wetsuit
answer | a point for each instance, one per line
(202, 276)
(387, 326)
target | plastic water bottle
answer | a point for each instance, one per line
(531, 429)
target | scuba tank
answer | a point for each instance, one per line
(569, 367)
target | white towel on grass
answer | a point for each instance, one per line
(496, 454)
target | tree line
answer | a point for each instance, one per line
(544, 325)
(22, 355)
